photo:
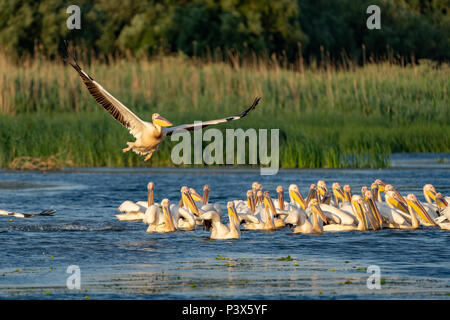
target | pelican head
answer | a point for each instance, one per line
(379, 182)
(312, 194)
(232, 215)
(315, 208)
(294, 194)
(359, 210)
(205, 197)
(188, 202)
(376, 192)
(394, 202)
(338, 193)
(150, 188)
(195, 195)
(268, 203)
(259, 197)
(165, 205)
(348, 193)
(250, 200)
(370, 198)
(429, 193)
(322, 187)
(160, 121)
(440, 200)
(414, 206)
(280, 192)
(363, 191)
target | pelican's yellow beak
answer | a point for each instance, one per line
(339, 194)
(232, 214)
(358, 210)
(189, 202)
(311, 195)
(375, 212)
(169, 218)
(162, 122)
(195, 195)
(315, 207)
(440, 201)
(431, 194)
(397, 203)
(420, 210)
(298, 198)
(268, 203)
(250, 200)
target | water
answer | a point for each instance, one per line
(120, 260)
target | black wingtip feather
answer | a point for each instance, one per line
(72, 60)
(252, 107)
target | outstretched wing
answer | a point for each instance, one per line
(47, 212)
(192, 126)
(121, 113)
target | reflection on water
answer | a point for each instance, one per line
(120, 260)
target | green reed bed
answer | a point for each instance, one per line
(327, 117)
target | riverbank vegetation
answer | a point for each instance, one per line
(328, 115)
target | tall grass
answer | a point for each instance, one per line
(328, 117)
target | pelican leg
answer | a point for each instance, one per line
(130, 145)
(148, 156)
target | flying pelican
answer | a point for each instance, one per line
(46, 212)
(136, 211)
(219, 231)
(148, 135)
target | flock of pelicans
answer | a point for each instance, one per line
(320, 211)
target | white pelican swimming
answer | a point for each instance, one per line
(165, 221)
(440, 203)
(312, 225)
(266, 215)
(136, 211)
(148, 135)
(339, 196)
(279, 202)
(46, 212)
(324, 196)
(247, 207)
(359, 208)
(219, 231)
(377, 188)
(296, 197)
(416, 208)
